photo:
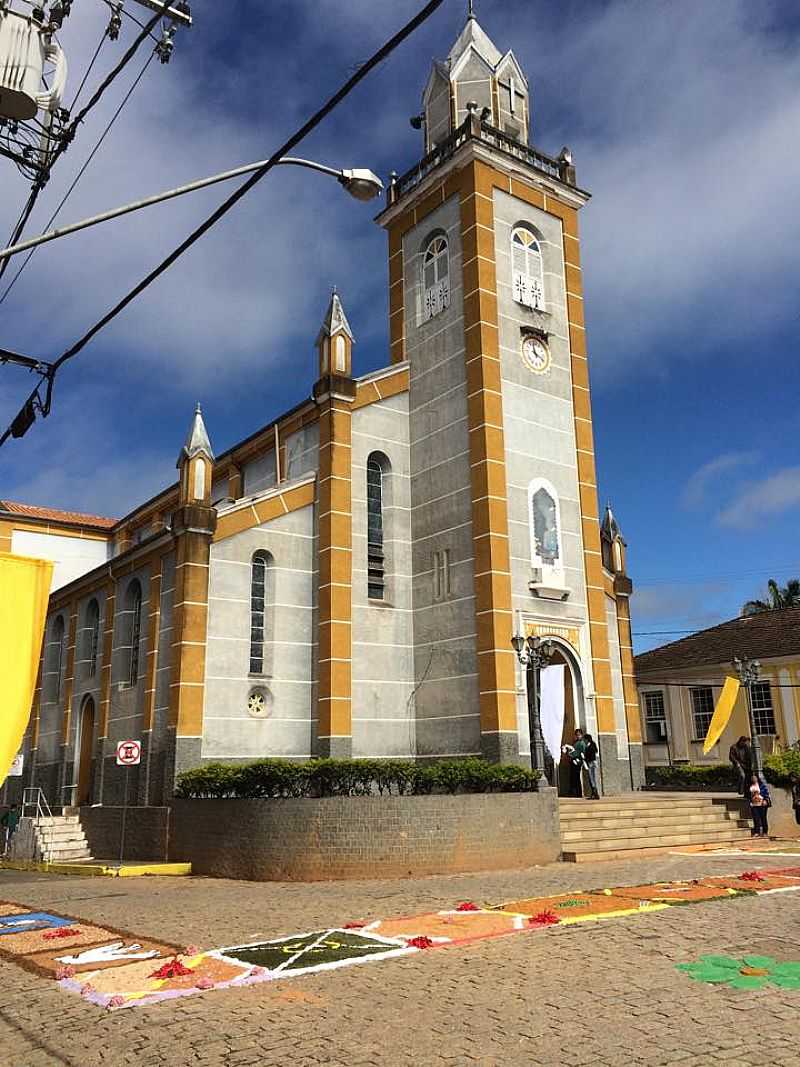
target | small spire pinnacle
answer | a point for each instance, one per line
(198, 409)
(197, 439)
(470, 10)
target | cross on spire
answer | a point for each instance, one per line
(470, 9)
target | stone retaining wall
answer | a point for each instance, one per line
(365, 837)
(146, 832)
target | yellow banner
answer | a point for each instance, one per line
(722, 713)
(24, 592)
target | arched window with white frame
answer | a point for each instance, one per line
(527, 268)
(435, 277)
(545, 527)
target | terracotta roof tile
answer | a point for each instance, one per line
(764, 636)
(73, 518)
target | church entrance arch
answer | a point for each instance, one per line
(84, 748)
(574, 716)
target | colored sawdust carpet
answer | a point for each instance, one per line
(322, 949)
(577, 907)
(754, 881)
(452, 927)
(750, 972)
(675, 892)
(115, 969)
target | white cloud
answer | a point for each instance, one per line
(706, 477)
(759, 501)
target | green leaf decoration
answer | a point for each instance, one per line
(721, 961)
(713, 975)
(685, 967)
(747, 981)
(760, 961)
(786, 970)
(785, 981)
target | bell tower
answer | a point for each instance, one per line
(486, 307)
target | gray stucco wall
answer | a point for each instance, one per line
(445, 660)
(229, 731)
(383, 673)
(365, 837)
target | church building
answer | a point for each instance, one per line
(347, 580)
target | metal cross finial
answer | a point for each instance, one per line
(470, 10)
(198, 410)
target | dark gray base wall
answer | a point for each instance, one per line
(365, 837)
(503, 748)
(615, 773)
(334, 747)
(637, 764)
(146, 832)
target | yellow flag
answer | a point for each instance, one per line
(722, 713)
(24, 592)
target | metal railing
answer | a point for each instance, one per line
(33, 797)
(474, 128)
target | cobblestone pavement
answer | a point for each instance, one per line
(601, 993)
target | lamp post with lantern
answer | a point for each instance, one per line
(533, 654)
(748, 671)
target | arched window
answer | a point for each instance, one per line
(527, 268)
(435, 277)
(92, 637)
(377, 468)
(59, 648)
(545, 526)
(133, 612)
(260, 604)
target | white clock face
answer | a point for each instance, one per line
(536, 355)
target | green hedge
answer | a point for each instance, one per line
(693, 777)
(779, 766)
(353, 778)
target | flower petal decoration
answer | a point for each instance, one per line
(785, 981)
(761, 961)
(116, 1001)
(419, 942)
(544, 918)
(172, 969)
(467, 905)
(721, 961)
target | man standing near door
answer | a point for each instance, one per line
(576, 755)
(9, 823)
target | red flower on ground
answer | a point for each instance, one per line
(752, 876)
(86, 989)
(544, 918)
(191, 950)
(116, 1001)
(173, 969)
(419, 942)
(61, 931)
(64, 972)
(354, 926)
(205, 983)
(467, 905)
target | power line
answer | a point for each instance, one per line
(235, 197)
(80, 173)
(68, 134)
(89, 68)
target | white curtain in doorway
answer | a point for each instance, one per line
(551, 681)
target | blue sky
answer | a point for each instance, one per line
(683, 120)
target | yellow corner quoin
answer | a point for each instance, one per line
(722, 713)
(24, 593)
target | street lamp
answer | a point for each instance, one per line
(534, 654)
(748, 671)
(360, 183)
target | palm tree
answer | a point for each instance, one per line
(777, 597)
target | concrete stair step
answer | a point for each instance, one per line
(58, 820)
(54, 833)
(643, 852)
(63, 855)
(653, 840)
(662, 804)
(722, 821)
(624, 833)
